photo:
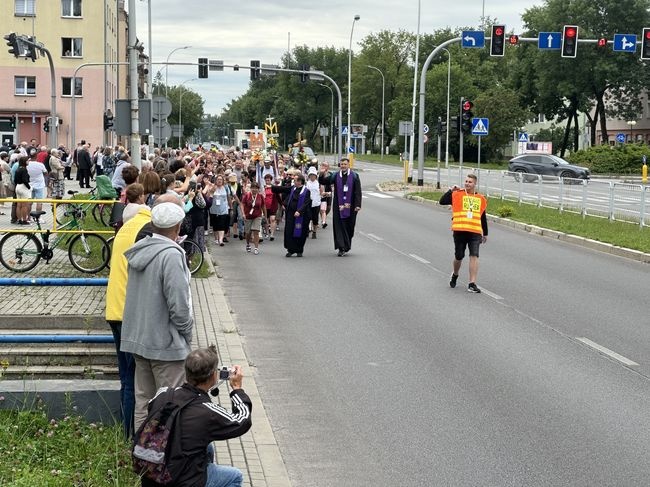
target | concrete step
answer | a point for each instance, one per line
(63, 354)
(57, 331)
(28, 372)
(54, 322)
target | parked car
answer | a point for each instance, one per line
(545, 165)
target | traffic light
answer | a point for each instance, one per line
(203, 67)
(12, 42)
(46, 124)
(108, 120)
(12, 122)
(304, 77)
(645, 44)
(513, 40)
(455, 123)
(497, 44)
(466, 115)
(569, 40)
(30, 51)
(255, 70)
(602, 43)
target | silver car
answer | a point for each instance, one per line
(545, 165)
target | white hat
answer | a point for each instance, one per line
(166, 215)
(312, 170)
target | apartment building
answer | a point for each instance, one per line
(76, 32)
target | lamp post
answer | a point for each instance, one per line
(180, 108)
(167, 64)
(331, 119)
(383, 91)
(631, 123)
(448, 91)
(356, 17)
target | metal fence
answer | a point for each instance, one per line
(611, 199)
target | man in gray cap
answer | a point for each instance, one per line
(158, 320)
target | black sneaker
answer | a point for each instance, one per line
(473, 288)
(452, 281)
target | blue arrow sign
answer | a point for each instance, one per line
(480, 126)
(351, 150)
(523, 137)
(620, 138)
(624, 42)
(473, 39)
(549, 40)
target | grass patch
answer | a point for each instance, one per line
(35, 450)
(622, 234)
(204, 271)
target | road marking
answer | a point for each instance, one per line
(419, 259)
(375, 237)
(606, 351)
(379, 195)
(491, 294)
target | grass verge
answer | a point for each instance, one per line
(621, 234)
(35, 450)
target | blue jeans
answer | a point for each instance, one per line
(126, 368)
(220, 475)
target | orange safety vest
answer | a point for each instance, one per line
(466, 211)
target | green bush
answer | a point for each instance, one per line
(505, 211)
(618, 159)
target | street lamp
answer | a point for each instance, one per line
(167, 64)
(448, 90)
(356, 17)
(383, 91)
(331, 119)
(631, 123)
(180, 108)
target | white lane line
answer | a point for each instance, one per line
(419, 259)
(606, 351)
(491, 294)
(375, 237)
(379, 195)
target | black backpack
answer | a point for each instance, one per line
(157, 452)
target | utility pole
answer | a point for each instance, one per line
(136, 159)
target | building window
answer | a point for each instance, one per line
(25, 8)
(71, 46)
(71, 8)
(67, 86)
(25, 85)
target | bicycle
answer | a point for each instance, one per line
(193, 254)
(22, 251)
(101, 212)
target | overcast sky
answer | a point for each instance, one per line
(237, 32)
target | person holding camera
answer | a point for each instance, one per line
(201, 422)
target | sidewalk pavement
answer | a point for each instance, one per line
(256, 453)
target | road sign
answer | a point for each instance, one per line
(425, 128)
(523, 137)
(162, 108)
(549, 40)
(425, 138)
(351, 150)
(480, 126)
(620, 138)
(405, 127)
(473, 39)
(624, 42)
(344, 130)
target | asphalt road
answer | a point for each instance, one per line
(375, 373)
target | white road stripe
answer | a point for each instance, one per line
(379, 195)
(606, 351)
(375, 237)
(419, 259)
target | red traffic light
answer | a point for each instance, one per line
(602, 42)
(647, 33)
(570, 32)
(467, 106)
(498, 31)
(513, 40)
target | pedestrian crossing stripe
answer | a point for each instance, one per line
(378, 195)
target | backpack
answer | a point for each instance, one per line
(157, 454)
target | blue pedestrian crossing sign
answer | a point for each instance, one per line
(473, 39)
(523, 137)
(480, 126)
(344, 130)
(549, 40)
(624, 43)
(620, 138)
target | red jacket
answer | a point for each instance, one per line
(247, 205)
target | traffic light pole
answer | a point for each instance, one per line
(423, 79)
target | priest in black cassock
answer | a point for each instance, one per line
(346, 203)
(297, 209)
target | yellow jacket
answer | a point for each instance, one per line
(117, 279)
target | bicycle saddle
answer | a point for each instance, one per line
(36, 214)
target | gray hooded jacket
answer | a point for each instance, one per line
(157, 321)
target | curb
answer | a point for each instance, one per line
(585, 242)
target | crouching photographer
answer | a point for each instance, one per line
(186, 457)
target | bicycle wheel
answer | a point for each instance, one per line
(193, 255)
(88, 252)
(20, 252)
(63, 213)
(102, 213)
(109, 242)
